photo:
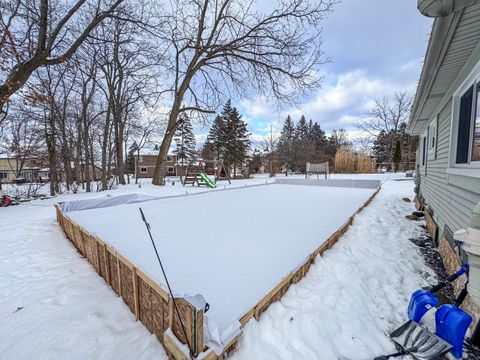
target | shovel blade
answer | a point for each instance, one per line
(419, 342)
(451, 325)
(420, 302)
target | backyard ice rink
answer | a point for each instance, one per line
(232, 247)
(343, 309)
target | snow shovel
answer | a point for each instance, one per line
(423, 300)
(451, 322)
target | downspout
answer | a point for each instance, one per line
(442, 8)
(470, 239)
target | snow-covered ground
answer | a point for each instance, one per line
(55, 306)
(353, 296)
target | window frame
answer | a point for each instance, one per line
(471, 168)
(433, 135)
(424, 141)
(143, 168)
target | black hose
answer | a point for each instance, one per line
(168, 284)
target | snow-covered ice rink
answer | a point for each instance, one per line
(232, 247)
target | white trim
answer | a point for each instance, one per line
(469, 172)
(470, 80)
(143, 168)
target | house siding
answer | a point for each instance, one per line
(452, 204)
(452, 197)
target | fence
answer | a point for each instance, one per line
(152, 304)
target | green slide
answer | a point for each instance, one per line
(206, 180)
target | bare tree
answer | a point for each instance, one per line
(387, 114)
(387, 119)
(215, 49)
(270, 145)
(34, 34)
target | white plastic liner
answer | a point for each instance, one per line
(105, 201)
(348, 183)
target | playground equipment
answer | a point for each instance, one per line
(221, 172)
(317, 169)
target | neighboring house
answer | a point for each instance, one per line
(446, 116)
(13, 169)
(145, 165)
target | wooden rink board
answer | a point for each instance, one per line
(152, 304)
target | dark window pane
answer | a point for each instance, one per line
(476, 130)
(464, 121)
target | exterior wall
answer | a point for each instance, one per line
(451, 197)
(148, 163)
(14, 168)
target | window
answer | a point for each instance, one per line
(464, 124)
(3, 175)
(423, 148)
(476, 128)
(143, 170)
(169, 158)
(465, 138)
(432, 139)
(170, 169)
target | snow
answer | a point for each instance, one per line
(232, 247)
(353, 296)
(53, 304)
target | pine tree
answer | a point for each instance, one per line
(255, 163)
(208, 151)
(381, 147)
(397, 155)
(303, 148)
(237, 139)
(130, 158)
(318, 141)
(286, 144)
(185, 140)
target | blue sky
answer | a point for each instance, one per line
(376, 47)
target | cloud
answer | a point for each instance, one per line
(341, 103)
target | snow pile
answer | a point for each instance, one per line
(353, 296)
(232, 247)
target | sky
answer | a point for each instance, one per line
(375, 47)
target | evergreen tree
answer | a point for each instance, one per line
(131, 159)
(185, 140)
(228, 138)
(318, 141)
(208, 151)
(381, 147)
(303, 147)
(237, 139)
(397, 155)
(286, 144)
(255, 163)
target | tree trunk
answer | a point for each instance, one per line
(105, 146)
(159, 174)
